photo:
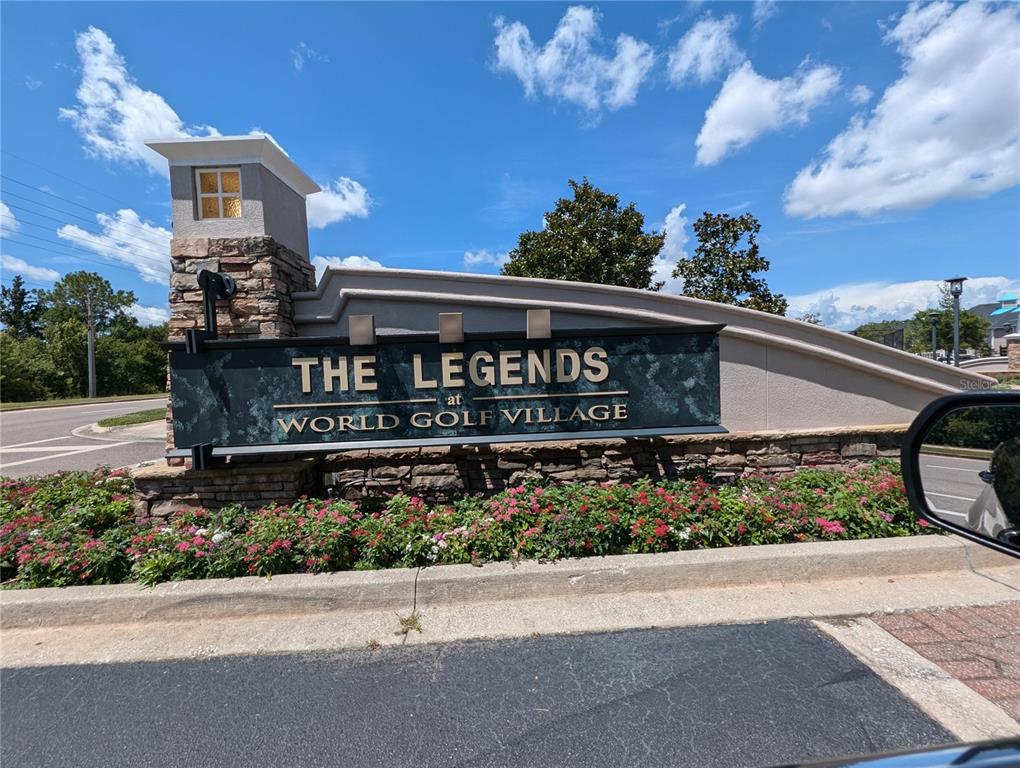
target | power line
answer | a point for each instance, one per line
(128, 241)
(66, 178)
(66, 213)
(69, 253)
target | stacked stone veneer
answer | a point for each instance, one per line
(267, 275)
(1013, 353)
(446, 472)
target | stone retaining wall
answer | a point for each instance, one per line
(448, 472)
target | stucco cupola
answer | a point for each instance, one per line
(237, 187)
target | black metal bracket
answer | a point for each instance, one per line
(202, 456)
(215, 286)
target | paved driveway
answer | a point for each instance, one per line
(40, 440)
(754, 694)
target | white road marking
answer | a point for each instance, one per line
(110, 410)
(62, 455)
(50, 448)
(34, 442)
(956, 469)
(947, 496)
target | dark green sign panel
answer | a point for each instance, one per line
(325, 394)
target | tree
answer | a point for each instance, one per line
(721, 271)
(973, 331)
(812, 318)
(90, 298)
(20, 310)
(589, 239)
(877, 331)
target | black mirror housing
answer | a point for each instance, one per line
(961, 467)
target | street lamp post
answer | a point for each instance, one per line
(933, 318)
(955, 290)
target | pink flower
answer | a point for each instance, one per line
(922, 523)
(183, 546)
(830, 526)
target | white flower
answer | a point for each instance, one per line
(35, 532)
(166, 529)
(684, 534)
(202, 532)
(220, 536)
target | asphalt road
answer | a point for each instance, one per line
(759, 694)
(951, 484)
(39, 440)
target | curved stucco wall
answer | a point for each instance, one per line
(999, 364)
(777, 373)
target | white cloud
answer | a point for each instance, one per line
(860, 94)
(485, 258)
(568, 67)
(322, 263)
(302, 53)
(149, 315)
(114, 115)
(847, 306)
(12, 264)
(340, 200)
(32, 83)
(9, 224)
(947, 128)
(126, 239)
(706, 51)
(674, 249)
(749, 105)
(763, 11)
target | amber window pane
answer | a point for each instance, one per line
(207, 182)
(210, 208)
(230, 181)
(232, 207)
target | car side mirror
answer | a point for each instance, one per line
(961, 467)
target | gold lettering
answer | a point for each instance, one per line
(599, 413)
(420, 382)
(510, 367)
(481, 375)
(541, 417)
(447, 419)
(392, 425)
(453, 369)
(620, 411)
(297, 426)
(578, 415)
(364, 370)
(305, 363)
(328, 421)
(595, 359)
(331, 373)
(421, 419)
(540, 364)
(486, 418)
(562, 357)
(508, 417)
(345, 423)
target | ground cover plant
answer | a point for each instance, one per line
(78, 528)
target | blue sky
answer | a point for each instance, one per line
(878, 143)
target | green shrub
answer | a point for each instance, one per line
(532, 521)
(64, 529)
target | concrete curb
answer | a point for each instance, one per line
(146, 432)
(411, 588)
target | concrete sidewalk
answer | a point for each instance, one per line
(441, 604)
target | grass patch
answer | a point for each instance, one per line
(75, 401)
(138, 417)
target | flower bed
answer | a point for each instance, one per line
(78, 528)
